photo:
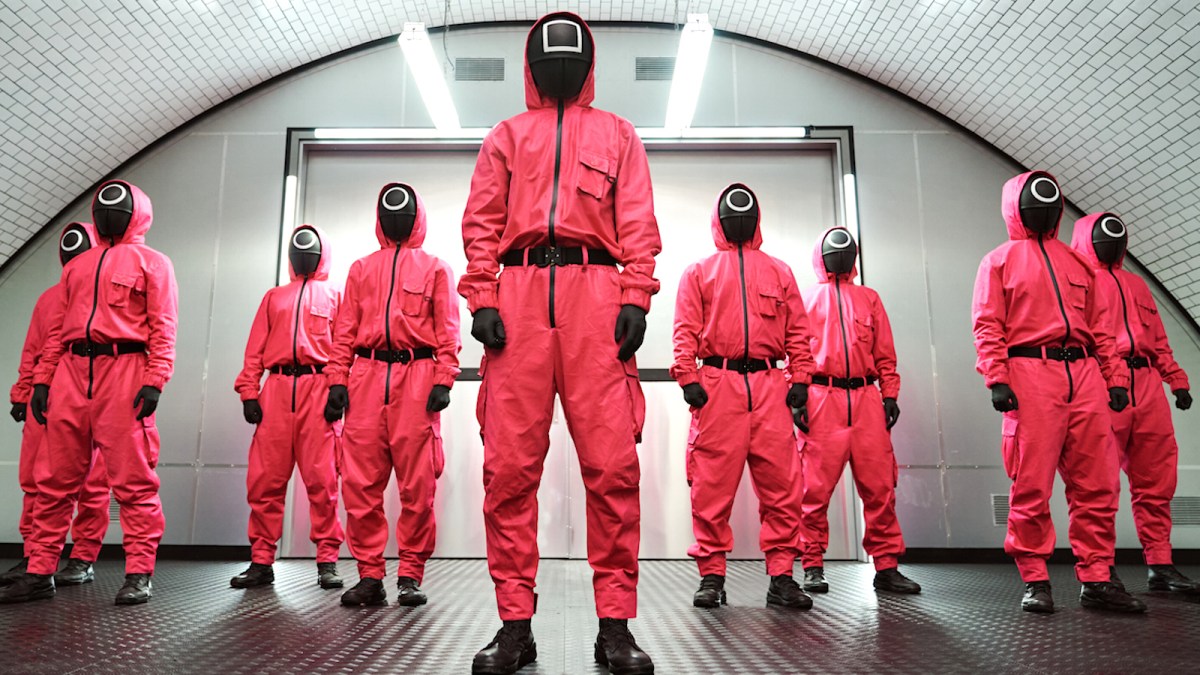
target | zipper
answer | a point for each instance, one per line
(295, 335)
(88, 329)
(1129, 332)
(745, 326)
(387, 327)
(554, 202)
(1066, 320)
(837, 285)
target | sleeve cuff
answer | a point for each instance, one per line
(446, 377)
(248, 394)
(799, 375)
(483, 299)
(636, 296)
(890, 392)
(684, 379)
(336, 379)
(1179, 382)
(1121, 381)
(156, 381)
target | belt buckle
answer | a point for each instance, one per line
(89, 348)
(855, 382)
(552, 255)
(403, 357)
(1056, 353)
(744, 366)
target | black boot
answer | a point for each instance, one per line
(512, 649)
(616, 649)
(408, 594)
(785, 592)
(74, 573)
(1109, 597)
(28, 587)
(14, 573)
(711, 592)
(814, 580)
(1114, 577)
(1167, 578)
(327, 576)
(367, 592)
(1038, 598)
(892, 581)
(256, 574)
(136, 590)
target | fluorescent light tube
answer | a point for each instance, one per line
(427, 70)
(690, 64)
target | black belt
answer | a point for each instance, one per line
(1052, 353)
(86, 348)
(740, 365)
(844, 382)
(291, 371)
(545, 256)
(395, 355)
(1137, 361)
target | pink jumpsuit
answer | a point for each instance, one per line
(852, 344)
(91, 516)
(563, 175)
(122, 292)
(398, 298)
(1037, 293)
(747, 418)
(293, 329)
(1144, 433)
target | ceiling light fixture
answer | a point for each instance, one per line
(690, 64)
(427, 71)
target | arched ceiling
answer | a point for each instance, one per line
(1104, 94)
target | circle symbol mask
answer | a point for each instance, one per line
(304, 240)
(388, 199)
(113, 189)
(1036, 190)
(1113, 227)
(72, 240)
(838, 239)
(744, 196)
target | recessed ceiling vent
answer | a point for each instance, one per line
(479, 70)
(654, 67)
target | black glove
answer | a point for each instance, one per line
(800, 418)
(439, 398)
(147, 398)
(891, 411)
(18, 412)
(1003, 398)
(1118, 398)
(252, 411)
(487, 328)
(336, 404)
(1183, 399)
(39, 402)
(695, 395)
(631, 330)
(797, 395)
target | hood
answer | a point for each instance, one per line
(418, 232)
(88, 228)
(718, 233)
(1081, 239)
(1010, 207)
(534, 99)
(818, 260)
(143, 214)
(326, 262)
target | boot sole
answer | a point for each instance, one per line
(40, 595)
(132, 601)
(381, 602)
(602, 659)
(331, 584)
(898, 591)
(815, 588)
(1104, 606)
(709, 605)
(235, 584)
(75, 582)
(780, 602)
(402, 602)
(1038, 609)
(1166, 588)
(527, 657)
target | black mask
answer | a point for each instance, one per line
(304, 253)
(1041, 203)
(560, 53)
(73, 241)
(113, 209)
(838, 250)
(397, 211)
(738, 212)
(1109, 238)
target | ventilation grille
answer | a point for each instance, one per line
(654, 67)
(1185, 511)
(114, 510)
(999, 510)
(479, 70)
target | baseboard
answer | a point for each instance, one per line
(165, 552)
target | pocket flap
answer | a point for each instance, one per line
(416, 287)
(1078, 281)
(129, 280)
(317, 310)
(770, 291)
(595, 161)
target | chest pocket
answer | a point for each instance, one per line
(318, 320)
(1076, 291)
(770, 301)
(123, 285)
(1148, 313)
(596, 174)
(415, 299)
(864, 330)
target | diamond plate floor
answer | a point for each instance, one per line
(967, 620)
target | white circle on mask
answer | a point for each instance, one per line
(121, 194)
(384, 200)
(838, 238)
(1040, 180)
(72, 240)
(304, 239)
(739, 191)
(1117, 227)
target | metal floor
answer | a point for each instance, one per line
(967, 621)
